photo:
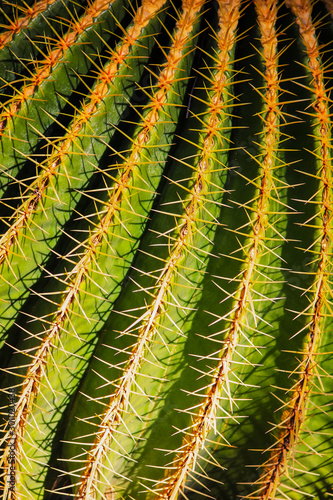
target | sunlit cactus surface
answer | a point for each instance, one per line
(166, 217)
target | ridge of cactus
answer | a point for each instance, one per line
(61, 173)
(205, 418)
(166, 250)
(24, 15)
(43, 71)
(292, 419)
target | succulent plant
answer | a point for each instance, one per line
(166, 249)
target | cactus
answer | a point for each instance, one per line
(166, 250)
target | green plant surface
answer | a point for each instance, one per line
(61, 176)
(28, 113)
(22, 26)
(166, 250)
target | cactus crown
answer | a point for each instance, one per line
(166, 249)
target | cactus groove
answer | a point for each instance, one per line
(166, 249)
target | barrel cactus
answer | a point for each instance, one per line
(166, 249)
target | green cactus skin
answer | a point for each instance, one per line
(166, 250)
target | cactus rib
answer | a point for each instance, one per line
(28, 13)
(205, 420)
(293, 417)
(63, 152)
(119, 400)
(37, 369)
(43, 71)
